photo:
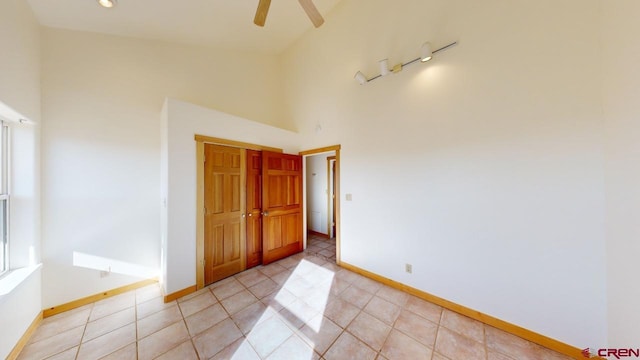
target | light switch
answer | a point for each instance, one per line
(349, 197)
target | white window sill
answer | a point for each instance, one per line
(14, 278)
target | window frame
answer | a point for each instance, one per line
(5, 265)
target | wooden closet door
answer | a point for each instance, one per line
(282, 206)
(254, 208)
(224, 202)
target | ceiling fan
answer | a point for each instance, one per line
(307, 5)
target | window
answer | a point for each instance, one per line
(4, 198)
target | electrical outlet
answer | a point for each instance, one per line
(408, 268)
(105, 273)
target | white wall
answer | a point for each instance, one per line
(483, 168)
(20, 63)
(621, 56)
(102, 98)
(183, 121)
(20, 90)
(317, 187)
(18, 311)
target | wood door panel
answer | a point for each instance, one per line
(236, 163)
(290, 228)
(217, 159)
(255, 162)
(254, 242)
(274, 164)
(217, 193)
(256, 194)
(235, 193)
(232, 241)
(293, 190)
(254, 208)
(224, 195)
(216, 251)
(282, 205)
(273, 229)
(275, 191)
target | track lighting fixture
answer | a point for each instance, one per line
(426, 54)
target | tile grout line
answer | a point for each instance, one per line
(83, 331)
(332, 343)
(175, 347)
(191, 337)
(149, 314)
(435, 339)
(136, 326)
(393, 326)
(248, 342)
(299, 330)
(51, 336)
(135, 313)
(229, 316)
(86, 323)
(243, 336)
(413, 314)
(342, 330)
(360, 312)
(484, 337)
(276, 349)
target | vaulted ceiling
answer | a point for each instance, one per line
(219, 23)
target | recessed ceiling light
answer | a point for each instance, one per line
(107, 3)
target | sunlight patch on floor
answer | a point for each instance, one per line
(277, 333)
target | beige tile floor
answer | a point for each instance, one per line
(302, 307)
(322, 247)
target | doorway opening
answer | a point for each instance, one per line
(322, 202)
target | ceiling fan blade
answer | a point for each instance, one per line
(312, 12)
(261, 12)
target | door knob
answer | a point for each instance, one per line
(265, 213)
(243, 216)
(250, 214)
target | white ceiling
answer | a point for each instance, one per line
(220, 23)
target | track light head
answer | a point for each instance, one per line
(384, 67)
(425, 52)
(360, 78)
(107, 3)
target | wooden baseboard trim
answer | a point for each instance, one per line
(96, 297)
(25, 337)
(311, 232)
(180, 293)
(484, 318)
